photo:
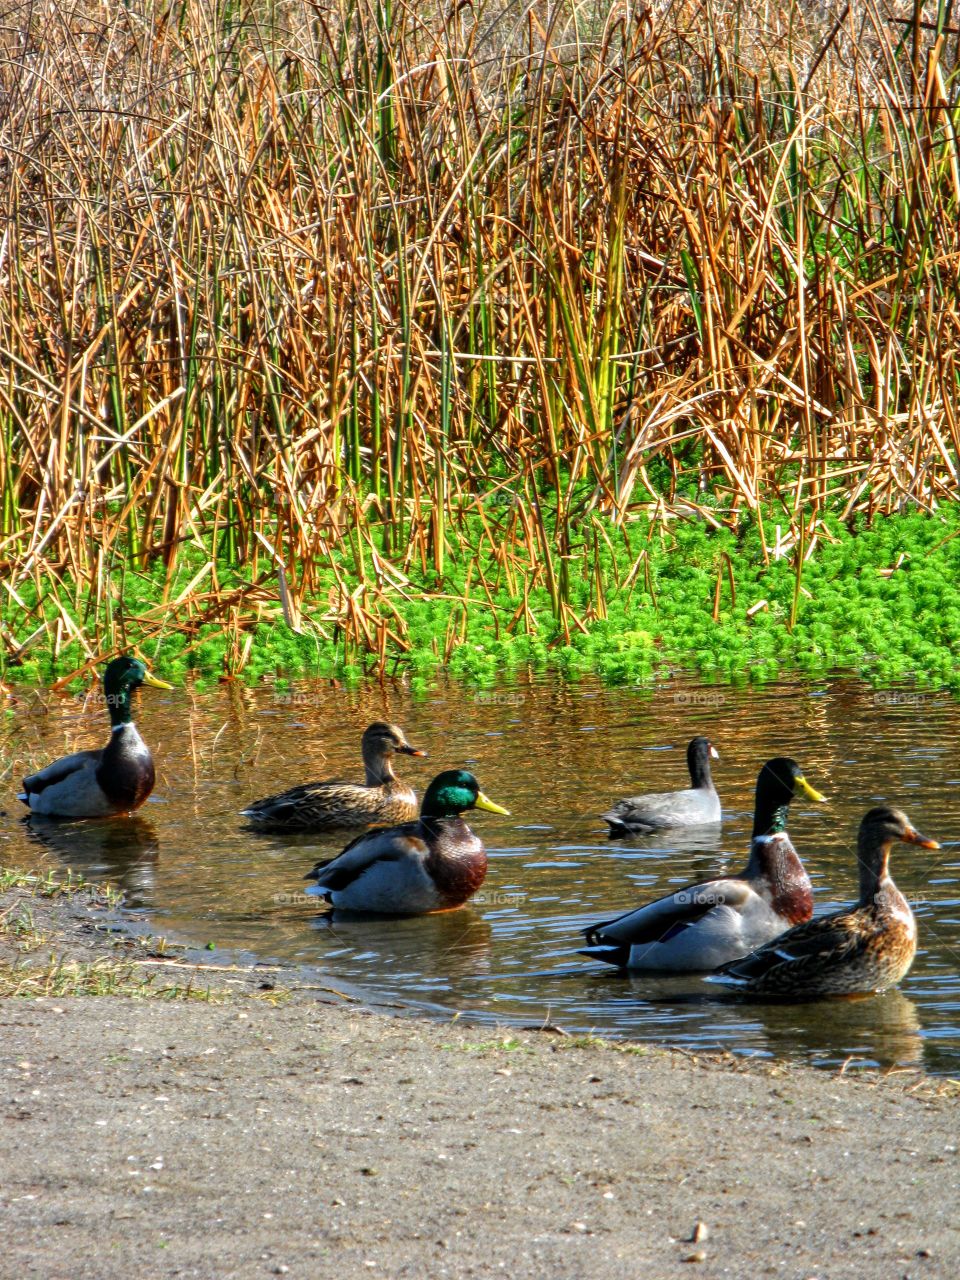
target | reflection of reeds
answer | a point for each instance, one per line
(289, 281)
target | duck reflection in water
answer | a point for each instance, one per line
(122, 851)
(862, 1031)
(435, 949)
(876, 1030)
(706, 838)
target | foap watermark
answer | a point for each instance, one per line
(887, 297)
(898, 697)
(699, 898)
(499, 898)
(293, 698)
(297, 899)
(104, 893)
(501, 498)
(97, 697)
(884, 899)
(485, 898)
(699, 698)
(505, 699)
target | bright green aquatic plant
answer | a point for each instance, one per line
(883, 600)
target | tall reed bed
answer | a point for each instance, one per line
(334, 291)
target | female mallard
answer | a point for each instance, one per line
(115, 779)
(865, 948)
(320, 806)
(433, 864)
(705, 925)
(697, 805)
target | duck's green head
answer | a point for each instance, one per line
(780, 781)
(453, 791)
(122, 676)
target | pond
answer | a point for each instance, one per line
(556, 754)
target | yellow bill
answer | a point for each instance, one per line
(154, 681)
(801, 782)
(483, 802)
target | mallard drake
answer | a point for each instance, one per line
(698, 804)
(705, 925)
(862, 949)
(322, 806)
(433, 864)
(115, 779)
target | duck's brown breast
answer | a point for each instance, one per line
(892, 940)
(788, 885)
(457, 863)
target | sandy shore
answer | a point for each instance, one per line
(291, 1132)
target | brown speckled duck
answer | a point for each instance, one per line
(324, 806)
(433, 864)
(862, 949)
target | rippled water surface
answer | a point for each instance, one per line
(556, 754)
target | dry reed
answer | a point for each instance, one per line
(290, 283)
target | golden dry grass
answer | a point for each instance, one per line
(276, 277)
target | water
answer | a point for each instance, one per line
(556, 754)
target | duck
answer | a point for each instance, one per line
(433, 864)
(322, 806)
(705, 925)
(858, 951)
(116, 778)
(697, 805)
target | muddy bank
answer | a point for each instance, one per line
(289, 1132)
